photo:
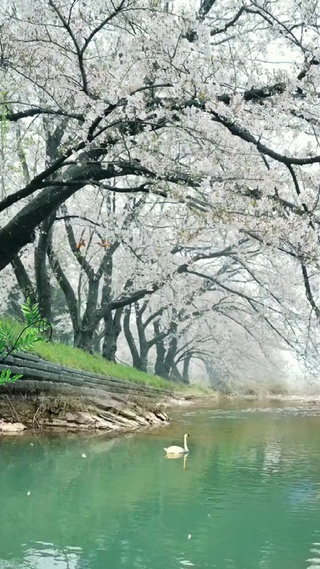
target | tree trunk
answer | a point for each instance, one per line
(185, 371)
(20, 230)
(175, 374)
(144, 351)
(85, 337)
(169, 360)
(67, 290)
(160, 367)
(214, 379)
(112, 331)
(136, 362)
(96, 342)
(41, 270)
(23, 279)
(143, 344)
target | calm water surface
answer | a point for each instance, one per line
(248, 497)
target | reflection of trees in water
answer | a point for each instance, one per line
(83, 502)
(124, 499)
(313, 558)
(272, 457)
(45, 556)
(242, 515)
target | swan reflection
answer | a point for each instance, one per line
(179, 456)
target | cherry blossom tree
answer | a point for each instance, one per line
(209, 110)
(199, 87)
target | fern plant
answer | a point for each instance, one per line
(30, 311)
(28, 337)
(7, 377)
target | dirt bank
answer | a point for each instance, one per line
(115, 414)
(112, 413)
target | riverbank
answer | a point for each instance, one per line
(66, 389)
(22, 414)
(91, 395)
(79, 360)
(111, 414)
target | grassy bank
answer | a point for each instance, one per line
(75, 358)
(79, 359)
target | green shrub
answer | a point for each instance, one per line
(28, 337)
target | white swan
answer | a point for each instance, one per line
(178, 450)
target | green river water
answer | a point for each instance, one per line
(248, 496)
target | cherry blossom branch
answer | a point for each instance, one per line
(36, 111)
(84, 264)
(117, 10)
(79, 52)
(231, 22)
(82, 217)
(244, 134)
(308, 291)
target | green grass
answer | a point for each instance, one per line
(79, 359)
(75, 358)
